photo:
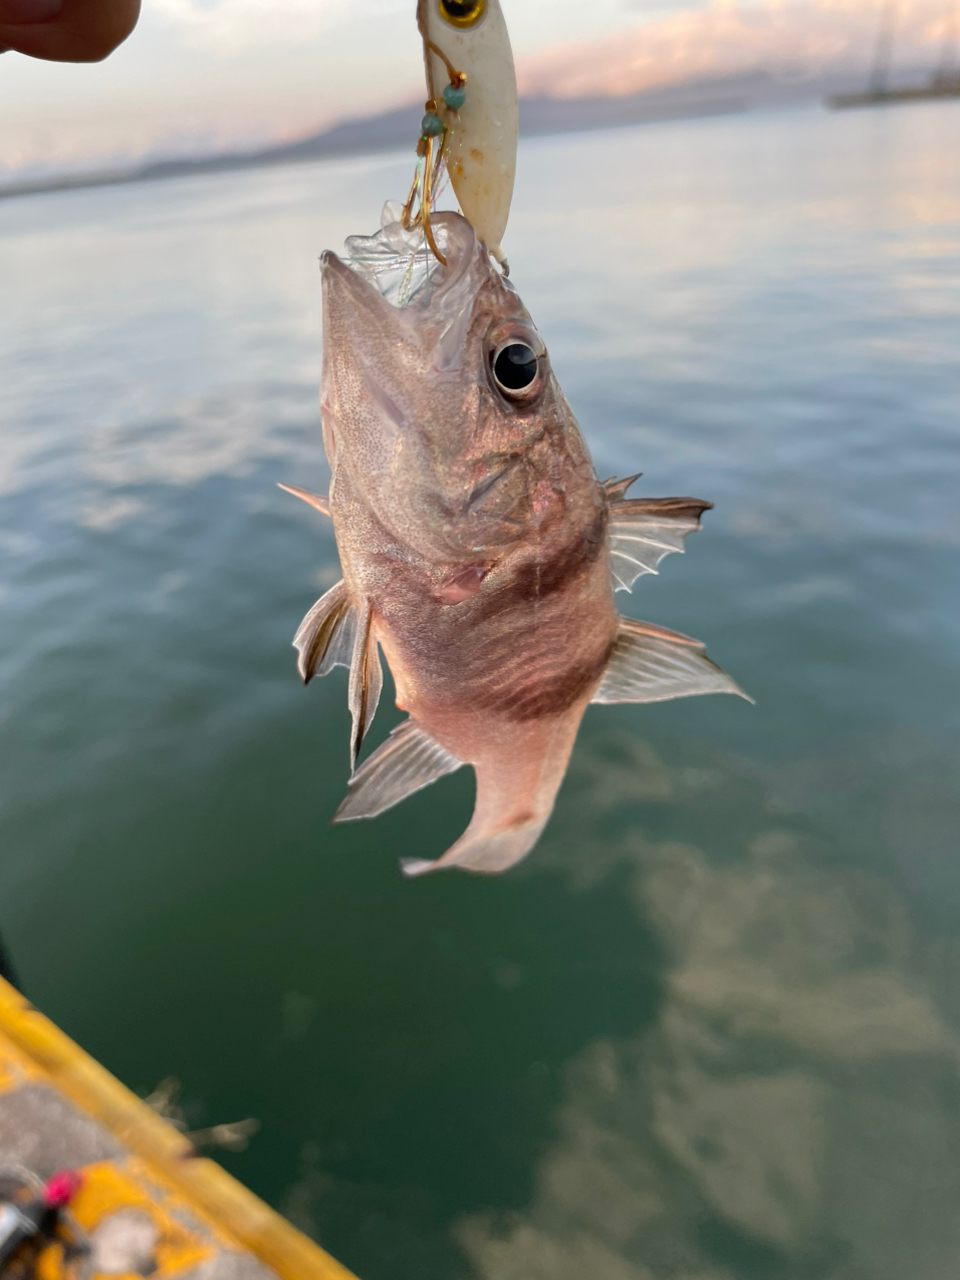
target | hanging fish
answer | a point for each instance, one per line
(480, 552)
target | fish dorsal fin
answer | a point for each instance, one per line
(408, 761)
(316, 500)
(366, 680)
(652, 664)
(325, 638)
(616, 490)
(644, 530)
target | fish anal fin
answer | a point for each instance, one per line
(408, 761)
(315, 500)
(325, 637)
(366, 680)
(651, 664)
(644, 530)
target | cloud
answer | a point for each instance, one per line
(231, 27)
(786, 1104)
(198, 75)
(727, 38)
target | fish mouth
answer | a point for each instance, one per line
(333, 270)
(352, 304)
(467, 263)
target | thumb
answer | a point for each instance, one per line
(66, 30)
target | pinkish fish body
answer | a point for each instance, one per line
(480, 553)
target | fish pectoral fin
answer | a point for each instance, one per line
(366, 680)
(336, 633)
(316, 500)
(485, 852)
(408, 761)
(325, 638)
(652, 664)
(644, 530)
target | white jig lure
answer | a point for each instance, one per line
(473, 87)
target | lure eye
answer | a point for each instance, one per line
(515, 369)
(463, 13)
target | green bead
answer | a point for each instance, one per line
(431, 126)
(454, 98)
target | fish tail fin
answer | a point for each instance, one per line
(486, 852)
(518, 777)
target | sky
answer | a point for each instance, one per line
(200, 75)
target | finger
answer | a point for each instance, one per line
(66, 30)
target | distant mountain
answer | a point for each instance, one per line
(540, 115)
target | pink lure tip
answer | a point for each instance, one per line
(61, 1188)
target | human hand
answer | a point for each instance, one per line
(66, 30)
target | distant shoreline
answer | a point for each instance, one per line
(390, 132)
(539, 116)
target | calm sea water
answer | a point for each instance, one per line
(711, 1029)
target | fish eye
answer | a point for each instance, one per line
(462, 13)
(515, 368)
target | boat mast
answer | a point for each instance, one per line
(880, 73)
(947, 71)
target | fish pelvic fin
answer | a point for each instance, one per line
(315, 500)
(487, 854)
(652, 664)
(408, 761)
(644, 530)
(366, 680)
(326, 636)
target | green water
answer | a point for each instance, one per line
(711, 1029)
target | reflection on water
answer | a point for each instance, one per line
(792, 1110)
(709, 1031)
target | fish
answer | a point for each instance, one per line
(480, 553)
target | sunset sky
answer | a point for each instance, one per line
(201, 74)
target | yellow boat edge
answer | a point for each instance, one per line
(33, 1048)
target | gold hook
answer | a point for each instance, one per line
(422, 218)
(407, 220)
(428, 178)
